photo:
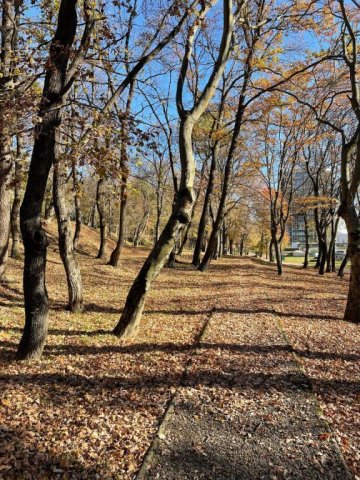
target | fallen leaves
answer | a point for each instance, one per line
(90, 408)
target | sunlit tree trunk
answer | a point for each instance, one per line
(101, 208)
(66, 245)
(15, 210)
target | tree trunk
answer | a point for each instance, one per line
(66, 245)
(323, 257)
(307, 242)
(224, 248)
(115, 255)
(141, 228)
(15, 211)
(231, 247)
(44, 154)
(352, 311)
(205, 211)
(100, 203)
(271, 251)
(330, 264)
(77, 209)
(343, 265)
(277, 253)
(8, 31)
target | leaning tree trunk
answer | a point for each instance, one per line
(181, 213)
(343, 265)
(66, 245)
(44, 154)
(100, 203)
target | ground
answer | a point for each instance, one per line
(235, 373)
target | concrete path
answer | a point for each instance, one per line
(245, 409)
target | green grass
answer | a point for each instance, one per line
(300, 260)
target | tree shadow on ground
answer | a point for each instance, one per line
(172, 348)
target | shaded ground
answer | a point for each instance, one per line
(92, 406)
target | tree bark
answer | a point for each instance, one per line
(277, 251)
(66, 245)
(330, 264)
(8, 31)
(44, 154)
(100, 203)
(205, 211)
(77, 205)
(15, 211)
(182, 210)
(141, 228)
(343, 266)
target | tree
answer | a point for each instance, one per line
(181, 213)
(59, 77)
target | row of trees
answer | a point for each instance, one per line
(198, 124)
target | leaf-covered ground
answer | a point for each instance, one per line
(92, 406)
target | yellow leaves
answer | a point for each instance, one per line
(6, 402)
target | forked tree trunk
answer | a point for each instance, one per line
(182, 210)
(101, 208)
(66, 245)
(44, 154)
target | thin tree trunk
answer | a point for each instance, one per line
(205, 211)
(77, 209)
(45, 152)
(343, 265)
(330, 265)
(141, 228)
(277, 253)
(115, 255)
(307, 242)
(231, 246)
(100, 203)
(15, 211)
(66, 245)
